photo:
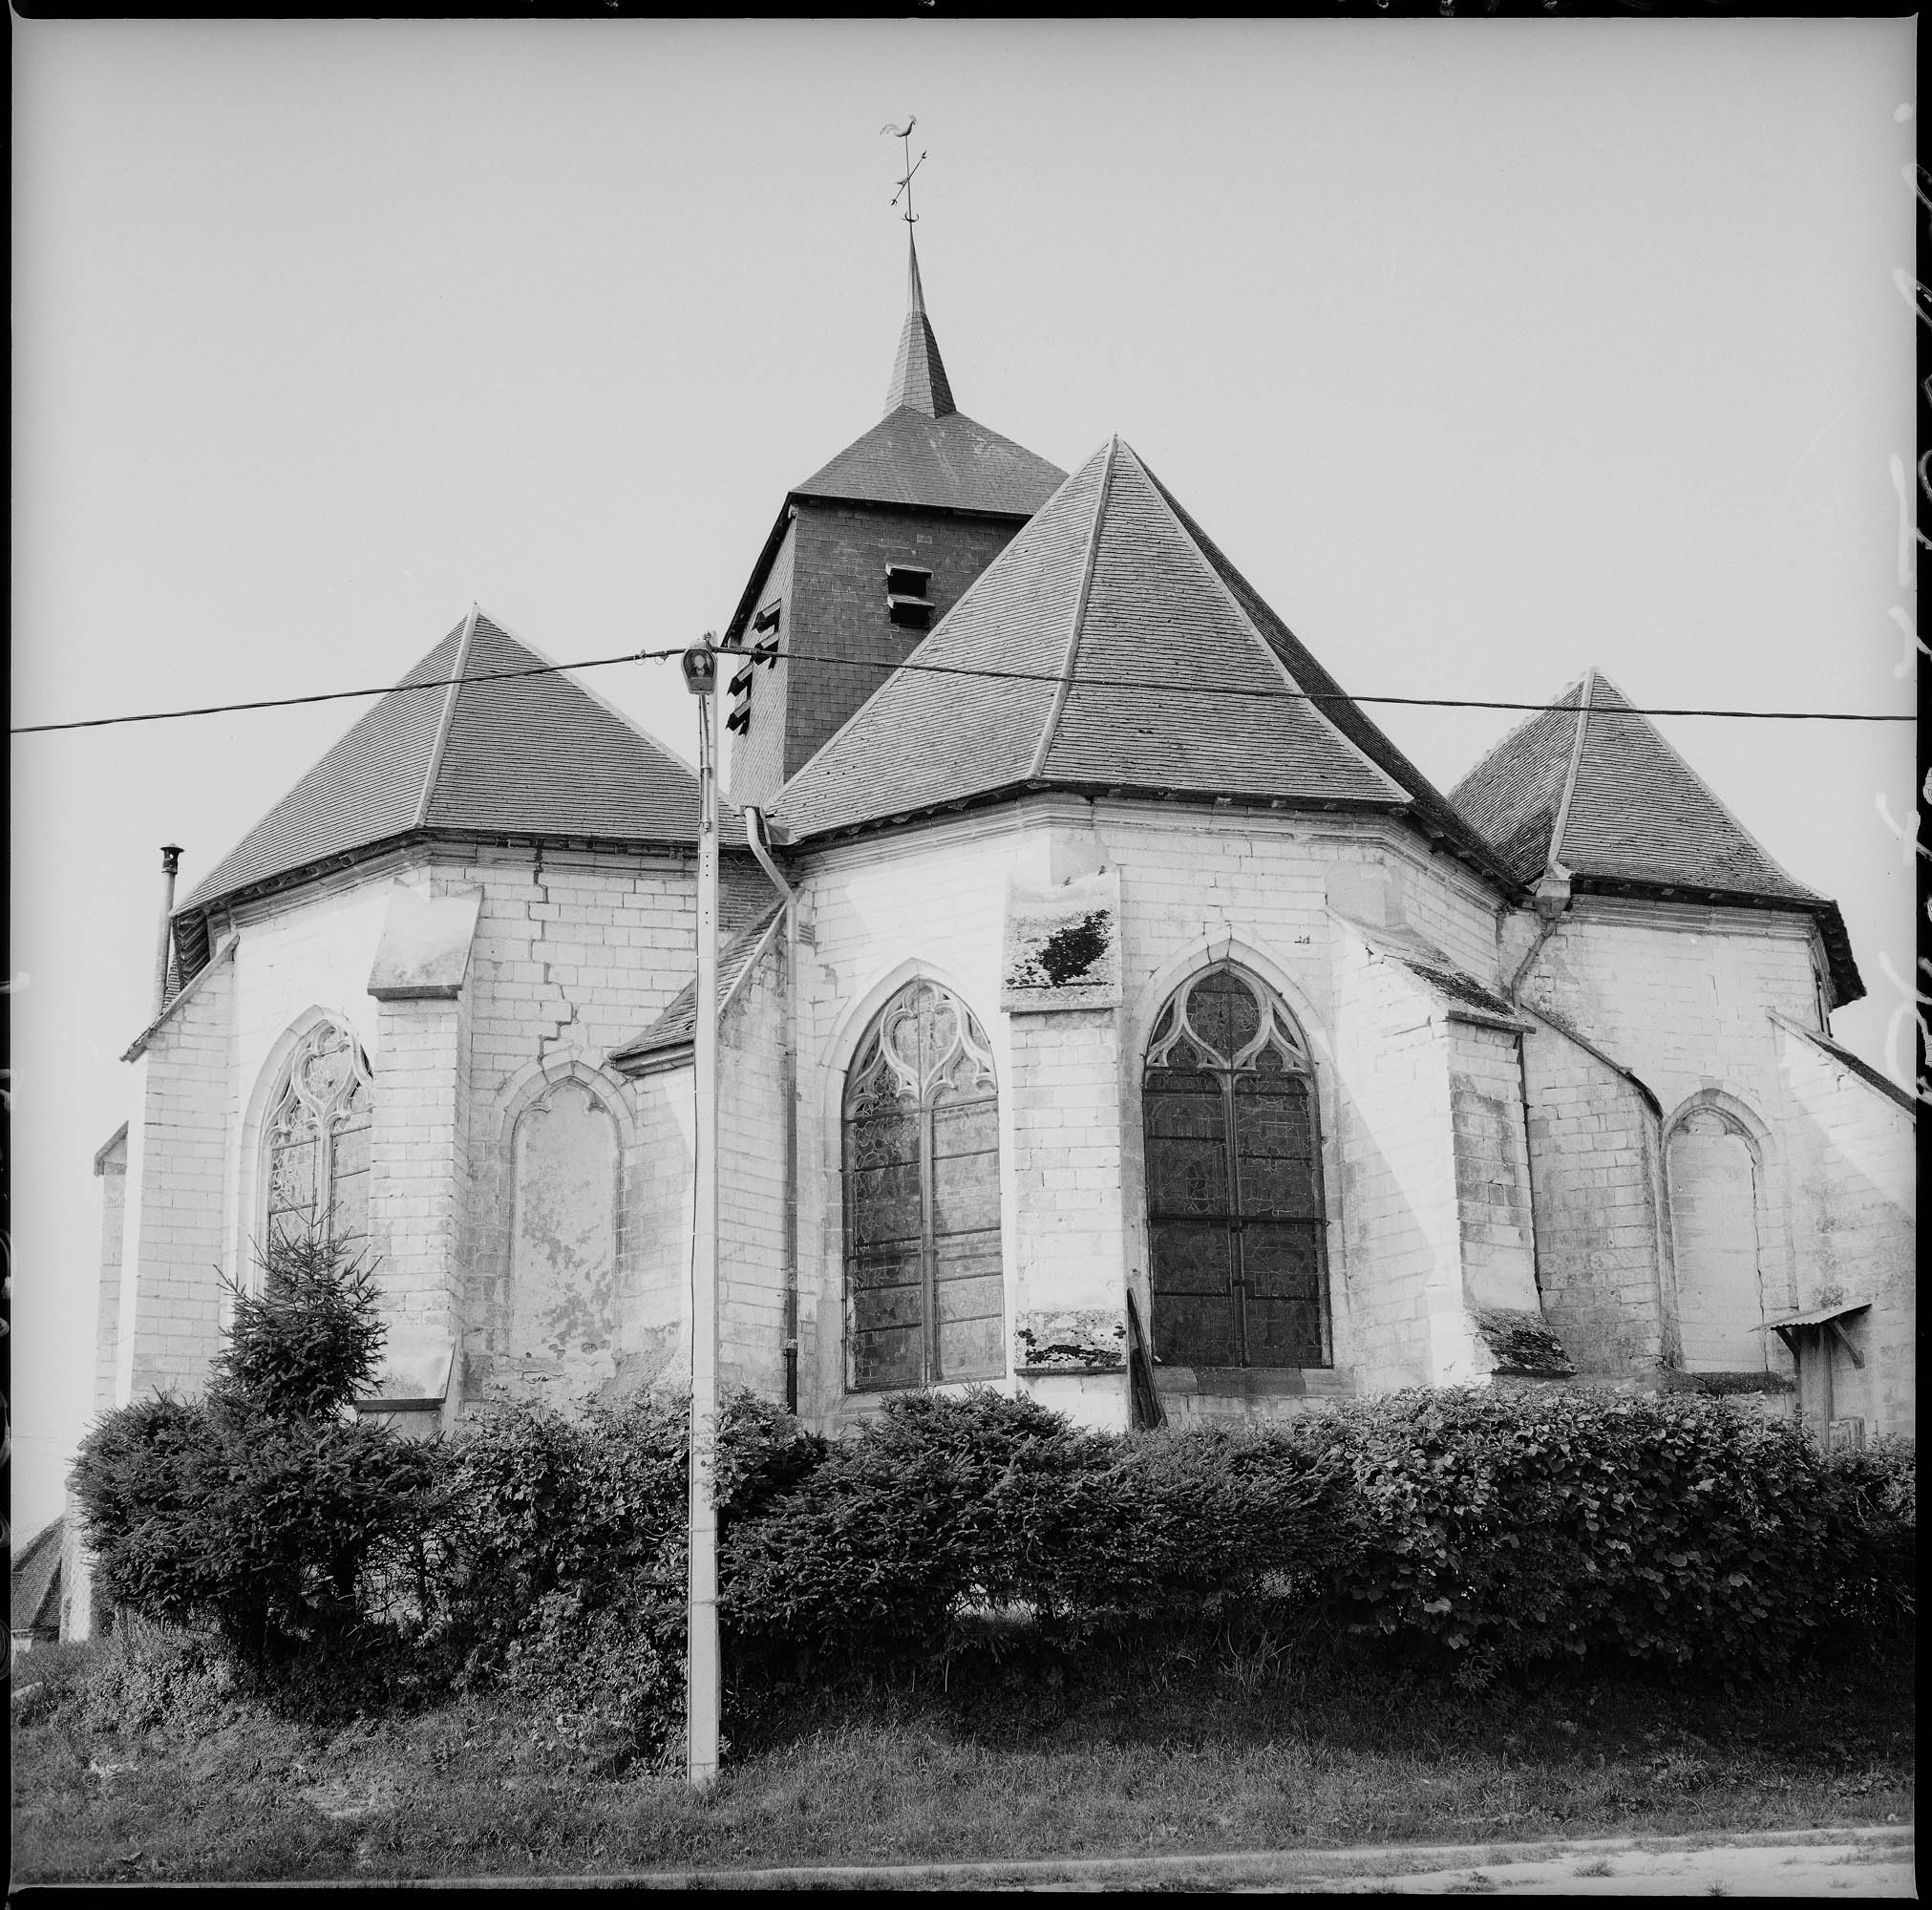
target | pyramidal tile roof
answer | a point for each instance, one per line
(925, 451)
(1110, 580)
(1590, 783)
(485, 736)
(1590, 787)
(948, 463)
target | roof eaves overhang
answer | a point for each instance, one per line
(193, 920)
(1484, 863)
(638, 1061)
(913, 506)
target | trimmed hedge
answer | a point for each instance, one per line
(1509, 1529)
(942, 1507)
(1484, 1531)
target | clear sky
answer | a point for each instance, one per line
(1487, 350)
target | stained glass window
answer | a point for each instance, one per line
(925, 1294)
(1235, 1216)
(317, 1153)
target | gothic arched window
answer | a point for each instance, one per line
(317, 1140)
(925, 1297)
(1235, 1218)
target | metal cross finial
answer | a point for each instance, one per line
(912, 165)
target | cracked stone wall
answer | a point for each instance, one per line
(576, 952)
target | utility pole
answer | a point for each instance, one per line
(701, 1639)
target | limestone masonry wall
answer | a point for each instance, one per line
(876, 914)
(110, 1166)
(575, 952)
(1491, 1168)
(753, 1216)
(180, 1165)
(1400, 1217)
(1678, 995)
(1850, 1155)
(1594, 1167)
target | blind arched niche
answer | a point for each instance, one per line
(563, 1164)
(1715, 1172)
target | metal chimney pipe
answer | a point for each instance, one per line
(171, 862)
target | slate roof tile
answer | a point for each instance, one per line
(924, 452)
(365, 788)
(918, 376)
(947, 463)
(528, 756)
(1513, 793)
(1637, 812)
(1625, 812)
(1110, 580)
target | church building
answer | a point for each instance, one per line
(1109, 1010)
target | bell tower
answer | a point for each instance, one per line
(868, 554)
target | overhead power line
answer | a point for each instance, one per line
(1151, 685)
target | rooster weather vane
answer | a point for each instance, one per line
(912, 165)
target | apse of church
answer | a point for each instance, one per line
(1109, 1011)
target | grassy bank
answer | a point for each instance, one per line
(134, 1777)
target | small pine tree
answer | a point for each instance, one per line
(305, 1345)
(259, 1508)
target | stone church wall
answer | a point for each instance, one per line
(877, 914)
(1399, 1215)
(110, 1166)
(1597, 1175)
(179, 1166)
(1678, 995)
(1257, 887)
(659, 1204)
(1683, 997)
(752, 1210)
(1491, 1169)
(575, 951)
(1851, 1157)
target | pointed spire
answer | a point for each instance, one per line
(918, 378)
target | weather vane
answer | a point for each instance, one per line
(912, 165)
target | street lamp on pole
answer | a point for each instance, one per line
(700, 665)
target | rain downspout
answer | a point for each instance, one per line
(1551, 902)
(788, 1086)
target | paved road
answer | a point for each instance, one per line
(1868, 1862)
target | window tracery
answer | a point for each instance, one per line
(924, 1287)
(1236, 1222)
(317, 1140)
